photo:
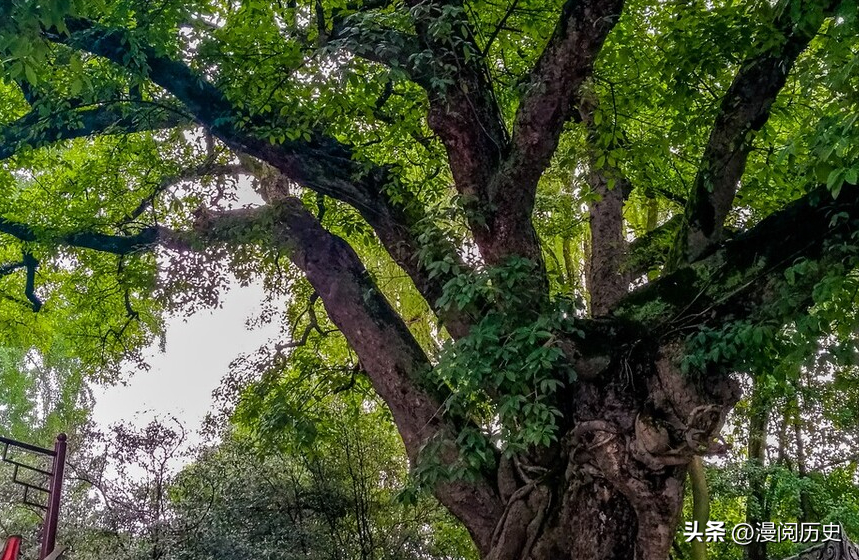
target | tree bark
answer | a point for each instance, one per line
(607, 283)
(613, 488)
(585, 519)
(744, 111)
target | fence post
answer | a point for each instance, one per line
(49, 533)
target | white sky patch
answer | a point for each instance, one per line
(197, 356)
(198, 353)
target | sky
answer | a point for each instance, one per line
(197, 356)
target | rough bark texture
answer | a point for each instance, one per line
(745, 110)
(607, 273)
(608, 280)
(497, 172)
(609, 268)
(615, 487)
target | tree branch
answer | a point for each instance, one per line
(498, 28)
(745, 278)
(497, 175)
(554, 90)
(9, 268)
(465, 115)
(650, 251)
(207, 169)
(312, 325)
(31, 264)
(116, 244)
(322, 164)
(30, 287)
(744, 110)
(33, 130)
(607, 280)
(392, 358)
(550, 101)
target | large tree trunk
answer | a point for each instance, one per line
(613, 489)
(582, 517)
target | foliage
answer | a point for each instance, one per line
(138, 493)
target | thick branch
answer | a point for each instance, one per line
(463, 111)
(466, 117)
(388, 352)
(745, 278)
(30, 287)
(555, 88)
(745, 109)
(33, 130)
(551, 99)
(322, 164)
(607, 280)
(30, 264)
(650, 251)
(9, 268)
(116, 244)
(497, 175)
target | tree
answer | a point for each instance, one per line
(141, 493)
(694, 163)
(335, 496)
(41, 395)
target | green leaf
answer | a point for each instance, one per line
(30, 74)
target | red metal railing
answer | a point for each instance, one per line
(53, 477)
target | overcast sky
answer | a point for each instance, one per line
(198, 353)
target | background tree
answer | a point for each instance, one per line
(41, 395)
(142, 494)
(333, 490)
(430, 170)
(797, 467)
